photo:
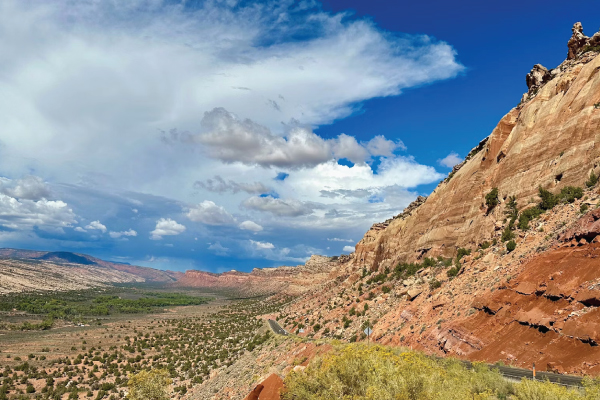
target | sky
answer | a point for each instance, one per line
(226, 134)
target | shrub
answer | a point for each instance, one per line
(568, 194)
(360, 371)
(452, 272)
(548, 199)
(434, 284)
(485, 245)
(461, 252)
(386, 289)
(507, 234)
(491, 199)
(528, 215)
(591, 182)
(583, 208)
(150, 385)
(511, 211)
(428, 262)
(510, 246)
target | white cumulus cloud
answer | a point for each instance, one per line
(450, 160)
(96, 225)
(25, 214)
(262, 245)
(209, 213)
(251, 226)
(117, 235)
(348, 249)
(166, 227)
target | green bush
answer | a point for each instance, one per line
(452, 272)
(386, 289)
(461, 252)
(591, 182)
(548, 199)
(491, 199)
(569, 194)
(360, 371)
(149, 385)
(507, 234)
(510, 246)
(583, 208)
(434, 284)
(528, 215)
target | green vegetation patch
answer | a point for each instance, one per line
(66, 305)
(360, 371)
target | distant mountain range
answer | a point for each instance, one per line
(61, 270)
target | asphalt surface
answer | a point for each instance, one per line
(508, 372)
(275, 327)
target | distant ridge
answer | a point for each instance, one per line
(63, 270)
(65, 256)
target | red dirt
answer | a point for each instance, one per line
(269, 389)
(548, 315)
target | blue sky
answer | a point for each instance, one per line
(230, 134)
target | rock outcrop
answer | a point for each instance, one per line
(579, 43)
(551, 140)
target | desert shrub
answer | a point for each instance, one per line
(428, 262)
(359, 371)
(452, 272)
(593, 179)
(491, 199)
(527, 215)
(510, 246)
(569, 194)
(386, 289)
(534, 390)
(507, 234)
(379, 278)
(583, 208)
(434, 284)
(461, 252)
(406, 269)
(548, 199)
(150, 385)
(485, 245)
(511, 210)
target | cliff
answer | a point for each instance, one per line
(536, 303)
(550, 139)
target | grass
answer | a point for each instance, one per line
(374, 372)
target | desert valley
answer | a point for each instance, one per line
(498, 267)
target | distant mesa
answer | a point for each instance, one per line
(66, 257)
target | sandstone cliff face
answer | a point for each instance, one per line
(289, 280)
(550, 140)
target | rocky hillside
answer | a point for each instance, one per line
(533, 301)
(551, 139)
(25, 270)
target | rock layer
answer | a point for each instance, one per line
(551, 140)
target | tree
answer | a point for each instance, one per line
(491, 199)
(150, 385)
(510, 246)
(593, 180)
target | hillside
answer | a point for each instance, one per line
(25, 270)
(537, 303)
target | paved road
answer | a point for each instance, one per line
(275, 327)
(507, 372)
